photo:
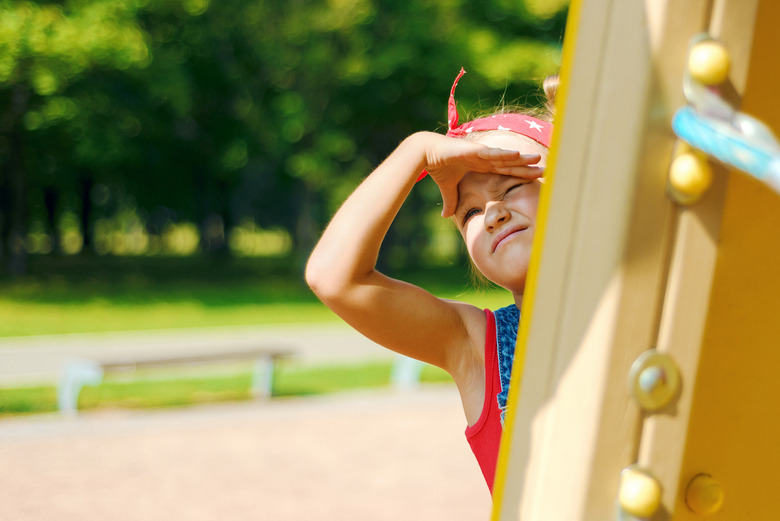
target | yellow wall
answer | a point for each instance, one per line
(734, 430)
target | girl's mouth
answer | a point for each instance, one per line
(505, 236)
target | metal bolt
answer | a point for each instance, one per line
(653, 380)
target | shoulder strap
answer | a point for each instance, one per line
(507, 321)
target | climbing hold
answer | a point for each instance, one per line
(690, 176)
(709, 63)
(704, 495)
(640, 493)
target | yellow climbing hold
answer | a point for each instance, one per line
(709, 63)
(690, 176)
(640, 493)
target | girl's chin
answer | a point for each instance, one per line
(515, 286)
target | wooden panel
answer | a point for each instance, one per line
(600, 261)
(733, 431)
(691, 280)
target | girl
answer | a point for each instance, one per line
(488, 172)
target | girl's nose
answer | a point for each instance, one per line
(495, 215)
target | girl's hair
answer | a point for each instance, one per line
(545, 111)
(550, 86)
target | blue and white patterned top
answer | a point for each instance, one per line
(507, 322)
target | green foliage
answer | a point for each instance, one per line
(48, 46)
(220, 112)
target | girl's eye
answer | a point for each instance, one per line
(469, 214)
(514, 186)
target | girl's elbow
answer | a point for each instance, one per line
(333, 285)
(313, 275)
(322, 281)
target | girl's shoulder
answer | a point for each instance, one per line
(472, 316)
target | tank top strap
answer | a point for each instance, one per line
(507, 321)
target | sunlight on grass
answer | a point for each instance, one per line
(38, 318)
(23, 318)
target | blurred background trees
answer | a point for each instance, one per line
(177, 127)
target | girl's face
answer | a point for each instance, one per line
(496, 215)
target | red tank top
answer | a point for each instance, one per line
(484, 436)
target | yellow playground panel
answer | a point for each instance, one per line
(647, 369)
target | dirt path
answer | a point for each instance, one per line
(369, 456)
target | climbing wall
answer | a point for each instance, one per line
(643, 383)
(726, 431)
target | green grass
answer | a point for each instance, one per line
(99, 294)
(153, 389)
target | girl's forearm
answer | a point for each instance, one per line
(348, 249)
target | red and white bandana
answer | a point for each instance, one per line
(528, 126)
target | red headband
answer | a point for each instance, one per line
(528, 126)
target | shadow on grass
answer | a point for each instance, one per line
(213, 282)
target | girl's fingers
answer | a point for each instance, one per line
(501, 154)
(526, 172)
(449, 197)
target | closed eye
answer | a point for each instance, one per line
(513, 187)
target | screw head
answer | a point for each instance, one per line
(704, 495)
(653, 380)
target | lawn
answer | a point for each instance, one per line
(171, 388)
(99, 294)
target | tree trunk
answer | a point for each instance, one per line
(15, 200)
(212, 235)
(87, 228)
(51, 199)
(17, 187)
(306, 232)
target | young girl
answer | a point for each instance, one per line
(488, 172)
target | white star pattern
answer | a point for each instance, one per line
(534, 125)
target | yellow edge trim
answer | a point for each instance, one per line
(567, 60)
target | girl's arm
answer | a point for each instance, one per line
(395, 314)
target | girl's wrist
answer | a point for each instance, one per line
(416, 146)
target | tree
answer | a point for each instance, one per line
(215, 112)
(43, 50)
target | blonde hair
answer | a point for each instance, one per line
(545, 111)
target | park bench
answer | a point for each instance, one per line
(78, 372)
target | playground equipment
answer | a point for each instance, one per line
(645, 374)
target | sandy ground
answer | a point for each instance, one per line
(376, 456)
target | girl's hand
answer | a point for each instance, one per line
(448, 159)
